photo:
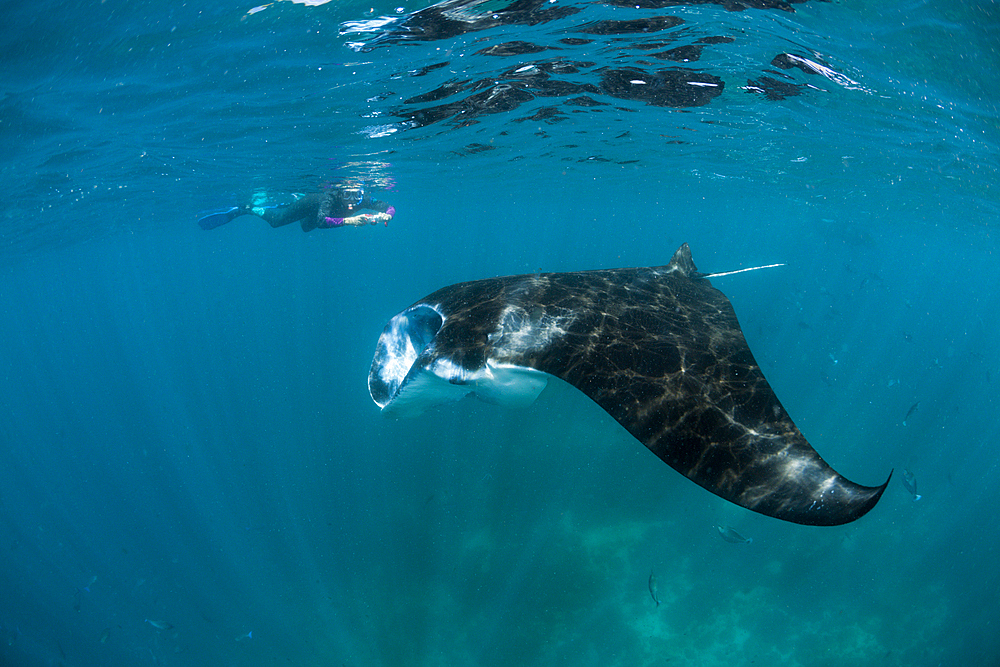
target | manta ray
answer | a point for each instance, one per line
(658, 348)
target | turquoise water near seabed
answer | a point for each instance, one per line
(185, 428)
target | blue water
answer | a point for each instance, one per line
(193, 473)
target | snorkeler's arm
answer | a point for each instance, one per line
(352, 221)
(386, 210)
(375, 204)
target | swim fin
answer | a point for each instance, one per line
(217, 217)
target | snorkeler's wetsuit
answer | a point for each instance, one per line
(328, 209)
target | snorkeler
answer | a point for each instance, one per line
(337, 207)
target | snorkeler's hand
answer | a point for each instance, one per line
(382, 217)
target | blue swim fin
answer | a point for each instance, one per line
(217, 217)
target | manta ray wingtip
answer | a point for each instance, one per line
(860, 501)
(872, 500)
(882, 488)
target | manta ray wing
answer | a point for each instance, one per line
(659, 349)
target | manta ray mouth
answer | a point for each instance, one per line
(410, 374)
(402, 342)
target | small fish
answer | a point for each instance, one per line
(8, 636)
(910, 482)
(248, 635)
(909, 413)
(730, 535)
(106, 635)
(159, 625)
(653, 588)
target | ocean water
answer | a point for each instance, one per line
(192, 471)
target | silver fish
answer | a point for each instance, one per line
(8, 636)
(160, 625)
(730, 535)
(653, 588)
(910, 482)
